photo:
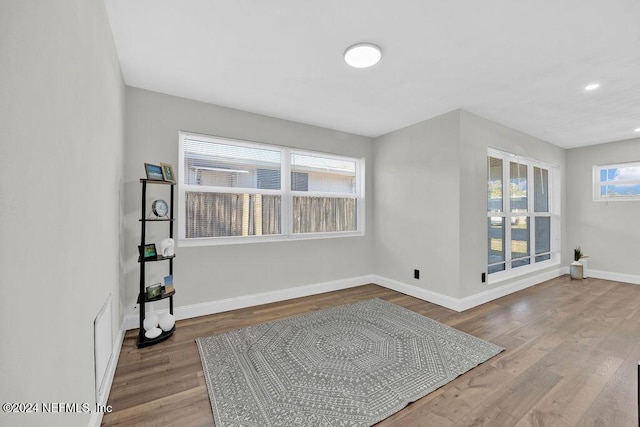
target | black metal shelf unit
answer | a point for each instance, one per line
(143, 341)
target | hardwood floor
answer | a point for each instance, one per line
(572, 352)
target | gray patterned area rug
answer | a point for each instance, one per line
(352, 365)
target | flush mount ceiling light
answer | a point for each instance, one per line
(362, 55)
(592, 86)
(636, 130)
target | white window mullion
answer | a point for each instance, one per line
(286, 220)
(181, 208)
(531, 193)
(361, 201)
(506, 207)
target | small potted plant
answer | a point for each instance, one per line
(575, 269)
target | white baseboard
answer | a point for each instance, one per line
(616, 277)
(420, 293)
(608, 275)
(461, 304)
(504, 290)
(457, 304)
(96, 416)
(195, 310)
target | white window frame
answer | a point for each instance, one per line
(554, 214)
(598, 184)
(284, 192)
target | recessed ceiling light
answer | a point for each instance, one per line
(636, 130)
(362, 55)
(592, 86)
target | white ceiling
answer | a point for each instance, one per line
(520, 63)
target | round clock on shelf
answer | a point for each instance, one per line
(160, 208)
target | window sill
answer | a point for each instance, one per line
(617, 199)
(503, 276)
(264, 239)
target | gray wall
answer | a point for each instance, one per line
(430, 199)
(62, 122)
(607, 232)
(416, 166)
(211, 273)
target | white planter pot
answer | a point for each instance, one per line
(576, 270)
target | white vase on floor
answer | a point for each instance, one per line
(575, 270)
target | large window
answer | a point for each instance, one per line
(616, 182)
(236, 191)
(522, 225)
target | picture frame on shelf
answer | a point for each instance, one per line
(148, 251)
(168, 284)
(167, 173)
(154, 290)
(154, 172)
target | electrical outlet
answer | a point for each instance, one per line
(416, 274)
